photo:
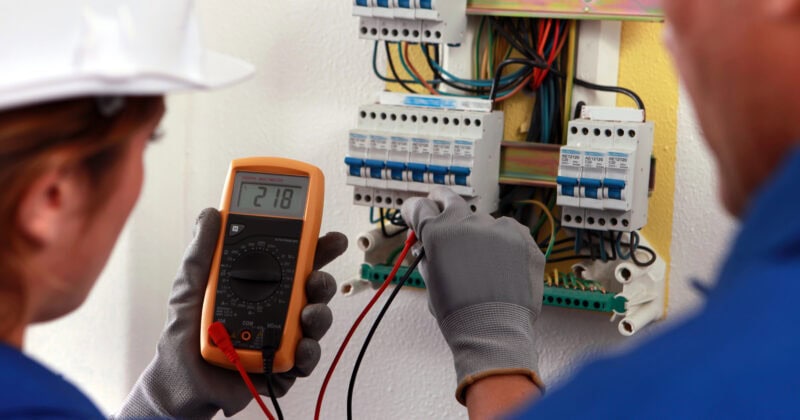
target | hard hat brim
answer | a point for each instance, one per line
(216, 71)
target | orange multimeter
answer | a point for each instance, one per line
(271, 214)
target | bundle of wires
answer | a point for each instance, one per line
(604, 246)
(535, 59)
(549, 39)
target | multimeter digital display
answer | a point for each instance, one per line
(270, 195)
(271, 215)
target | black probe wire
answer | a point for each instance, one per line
(267, 360)
(403, 280)
(274, 399)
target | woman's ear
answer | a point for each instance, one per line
(48, 207)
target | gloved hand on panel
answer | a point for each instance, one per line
(484, 280)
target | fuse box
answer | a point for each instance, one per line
(402, 151)
(603, 175)
(428, 21)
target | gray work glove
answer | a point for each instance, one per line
(178, 382)
(485, 283)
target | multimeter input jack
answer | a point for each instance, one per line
(246, 335)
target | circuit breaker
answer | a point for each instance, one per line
(405, 145)
(427, 21)
(604, 170)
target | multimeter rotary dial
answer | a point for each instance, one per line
(255, 276)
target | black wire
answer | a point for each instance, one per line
(613, 246)
(561, 250)
(272, 397)
(648, 263)
(546, 242)
(536, 111)
(383, 226)
(522, 47)
(382, 77)
(637, 247)
(535, 60)
(578, 110)
(436, 75)
(394, 71)
(470, 89)
(351, 387)
(397, 220)
(499, 71)
(616, 89)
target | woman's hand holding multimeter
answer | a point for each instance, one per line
(178, 365)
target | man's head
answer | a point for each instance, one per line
(740, 61)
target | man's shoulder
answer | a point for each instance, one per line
(737, 357)
(30, 390)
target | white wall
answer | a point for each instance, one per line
(313, 74)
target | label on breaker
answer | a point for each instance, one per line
(463, 148)
(593, 160)
(618, 160)
(400, 144)
(379, 142)
(571, 158)
(358, 141)
(421, 146)
(442, 147)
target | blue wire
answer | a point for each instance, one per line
(480, 82)
(544, 105)
(416, 80)
(372, 218)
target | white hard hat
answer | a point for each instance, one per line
(56, 49)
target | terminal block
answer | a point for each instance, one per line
(403, 148)
(428, 21)
(634, 293)
(604, 170)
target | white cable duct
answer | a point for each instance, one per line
(644, 288)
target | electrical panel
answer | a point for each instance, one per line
(402, 151)
(416, 21)
(572, 9)
(604, 170)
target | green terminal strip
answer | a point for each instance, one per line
(553, 296)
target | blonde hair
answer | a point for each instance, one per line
(30, 138)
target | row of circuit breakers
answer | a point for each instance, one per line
(427, 21)
(403, 148)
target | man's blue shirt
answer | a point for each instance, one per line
(29, 390)
(738, 358)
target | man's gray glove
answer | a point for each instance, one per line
(485, 283)
(178, 382)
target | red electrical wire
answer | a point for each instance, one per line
(411, 240)
(219, 335)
